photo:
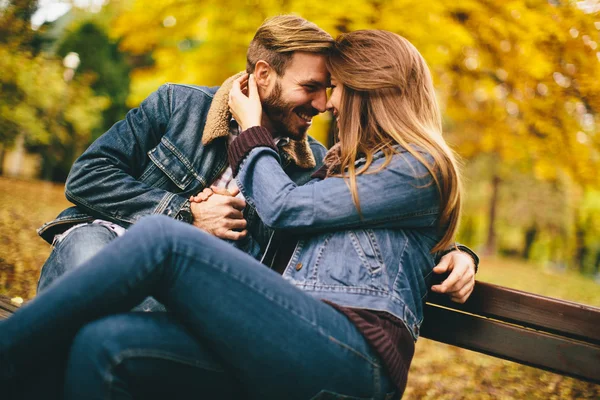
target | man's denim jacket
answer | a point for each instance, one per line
(380, 260)
(170, 147)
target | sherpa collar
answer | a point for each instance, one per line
(217, 125)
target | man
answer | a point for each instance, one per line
(174, 145)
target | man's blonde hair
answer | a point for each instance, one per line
(279, 37)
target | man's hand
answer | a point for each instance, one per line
(461, 281)
(219, 214)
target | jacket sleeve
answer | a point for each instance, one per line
(402, 195)
(459, 247)
(104, 179)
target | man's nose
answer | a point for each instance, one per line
(320, 101)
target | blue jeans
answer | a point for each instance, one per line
(272, 339)
(144, 356)
(71, 251)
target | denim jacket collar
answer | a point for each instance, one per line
(217, 125)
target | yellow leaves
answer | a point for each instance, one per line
(496, 63)
(42, 105)
(545, 170)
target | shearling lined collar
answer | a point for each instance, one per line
(217, 125)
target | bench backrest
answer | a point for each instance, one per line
(542, 332)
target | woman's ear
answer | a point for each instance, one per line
(264, 74)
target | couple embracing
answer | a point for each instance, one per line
(349, 237)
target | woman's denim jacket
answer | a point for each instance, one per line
(380, 261)
(170, 147)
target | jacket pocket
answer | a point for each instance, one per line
(367, 249)
(166, 167)
(351, 259)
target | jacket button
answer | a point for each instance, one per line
(298, 266)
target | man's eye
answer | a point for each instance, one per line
(310, 88)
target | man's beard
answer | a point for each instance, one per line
(282, 115)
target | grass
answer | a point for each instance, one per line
(438, 371)
(24, 207)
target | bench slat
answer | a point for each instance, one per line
(525, 346)
(565, 318)
(6, 307)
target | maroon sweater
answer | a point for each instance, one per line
(386, 334)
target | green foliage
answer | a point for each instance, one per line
(14, 23)
(55, 116)
(100, 57)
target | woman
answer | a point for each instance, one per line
(343, 321)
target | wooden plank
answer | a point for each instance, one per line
(561, 317)
(6, 307)
(525, 346)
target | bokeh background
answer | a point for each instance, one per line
(518, 82)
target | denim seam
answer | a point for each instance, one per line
(294, 259)
(372, 362)
(199, 89)
(170, 100)
(377, 382)
(180, 156)
(223, 268)
(359, 250)
(126, 354)
(400, 257)
(75, 199)
(149, 170)
(343, 288)
(319, 256)
(164, 202)
(161, 355)
(375, 245)
(425, 280)
(178, 182)
(69, 218)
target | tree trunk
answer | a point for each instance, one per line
(490, 245)
(16, 167)
(530, 235)
(581, 249)
(2, 152)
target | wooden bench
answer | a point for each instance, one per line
(542, 332)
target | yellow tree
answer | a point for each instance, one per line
(516, 78)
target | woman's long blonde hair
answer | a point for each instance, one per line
(388, 99)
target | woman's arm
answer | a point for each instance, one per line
(400, 195)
